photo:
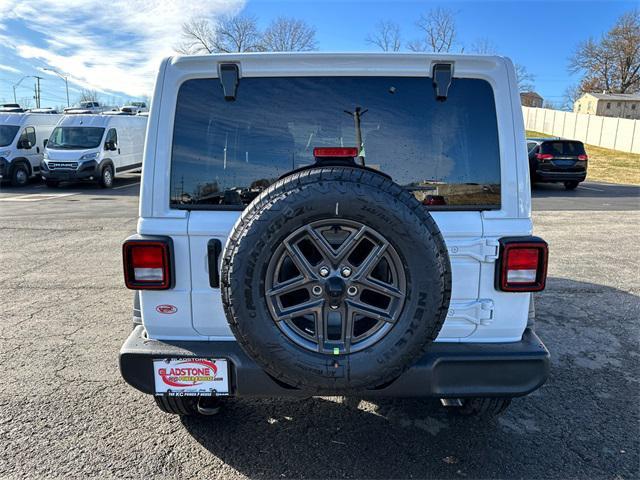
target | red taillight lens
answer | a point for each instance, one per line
(335, 152)
(544, 156)
(147, 264)
(583, 157)
(522, 266)
(434, 200)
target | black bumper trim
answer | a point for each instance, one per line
(560, 176)
(447, 370)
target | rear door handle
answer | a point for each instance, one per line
(214, 247)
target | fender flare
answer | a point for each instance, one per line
(104, 163)
(18, 161)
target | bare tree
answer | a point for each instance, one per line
(386, 36)
(571, 94)
(612, 63)
(438, 31)
(484, 46)
(198, 36)
(229, 34)
(524, 78)
(285, 34)
(87, 95)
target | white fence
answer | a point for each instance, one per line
(608, 132)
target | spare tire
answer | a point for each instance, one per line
(335, 280)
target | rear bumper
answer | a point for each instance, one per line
(447, 370)
(560, 176)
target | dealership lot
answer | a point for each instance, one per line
(64, 411)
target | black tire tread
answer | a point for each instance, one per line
(484, 407)
(176, 405)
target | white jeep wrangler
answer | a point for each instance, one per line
(335, 224)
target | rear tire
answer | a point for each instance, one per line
(188, 406)
(20, 175)
(106, 177)
(483, 407)
(52, 183)
(571, 185)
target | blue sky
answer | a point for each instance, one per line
(116, 49)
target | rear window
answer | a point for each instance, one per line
(224, 153)
(562, 148)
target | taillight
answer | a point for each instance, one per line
(434, 200)
(147, 263)
(584, 158)
(341, 152)
(522, 264)
(544, 156)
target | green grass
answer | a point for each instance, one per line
(608, 165)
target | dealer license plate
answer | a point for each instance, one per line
(191, 376)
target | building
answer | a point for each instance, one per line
(531, 99)
(622, 105)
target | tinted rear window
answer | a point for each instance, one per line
(562, 148)
(225, 153)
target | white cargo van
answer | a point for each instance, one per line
(23, 137)
(93, 147)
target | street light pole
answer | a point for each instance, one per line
(15, 100)
(65, 78)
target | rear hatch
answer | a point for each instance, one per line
(450, 154)
(565, 155)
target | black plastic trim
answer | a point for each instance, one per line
(214, 248)
(447, 370)
(129, 167)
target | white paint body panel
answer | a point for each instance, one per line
(478, 312)
(42, 123)
(130, 131)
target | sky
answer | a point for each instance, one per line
(115, 47)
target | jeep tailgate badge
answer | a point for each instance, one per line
(442, 74)
(229, 78)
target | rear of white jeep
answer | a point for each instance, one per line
(352, 224)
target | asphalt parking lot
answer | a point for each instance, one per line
(65, 412)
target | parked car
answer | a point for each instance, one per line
(134, 108)
(11, 108)
(557, 160)
(23, 137)
(94, 148)
(335, 224)
(87, 107)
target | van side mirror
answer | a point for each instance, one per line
(109, 146)
(24, 144)
(44, 142)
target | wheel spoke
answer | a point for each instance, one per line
(311, 306)
(370, 262)
(289, 286)
(379, 287)
(370, 311)
(300, 261)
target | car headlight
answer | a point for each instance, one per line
(45, 155)
(89, 156)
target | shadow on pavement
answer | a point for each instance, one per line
(581, 424)
(123, 186)
(586, 189)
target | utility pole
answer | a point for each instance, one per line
(37, 90)
(357, 115)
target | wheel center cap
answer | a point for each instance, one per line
(335, 288)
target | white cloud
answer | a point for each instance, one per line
(115, 46)
(9, 69)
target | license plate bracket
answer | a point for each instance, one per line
(207, 377)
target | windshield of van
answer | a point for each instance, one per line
(7, 134)
(446, 153)
(75, 138)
